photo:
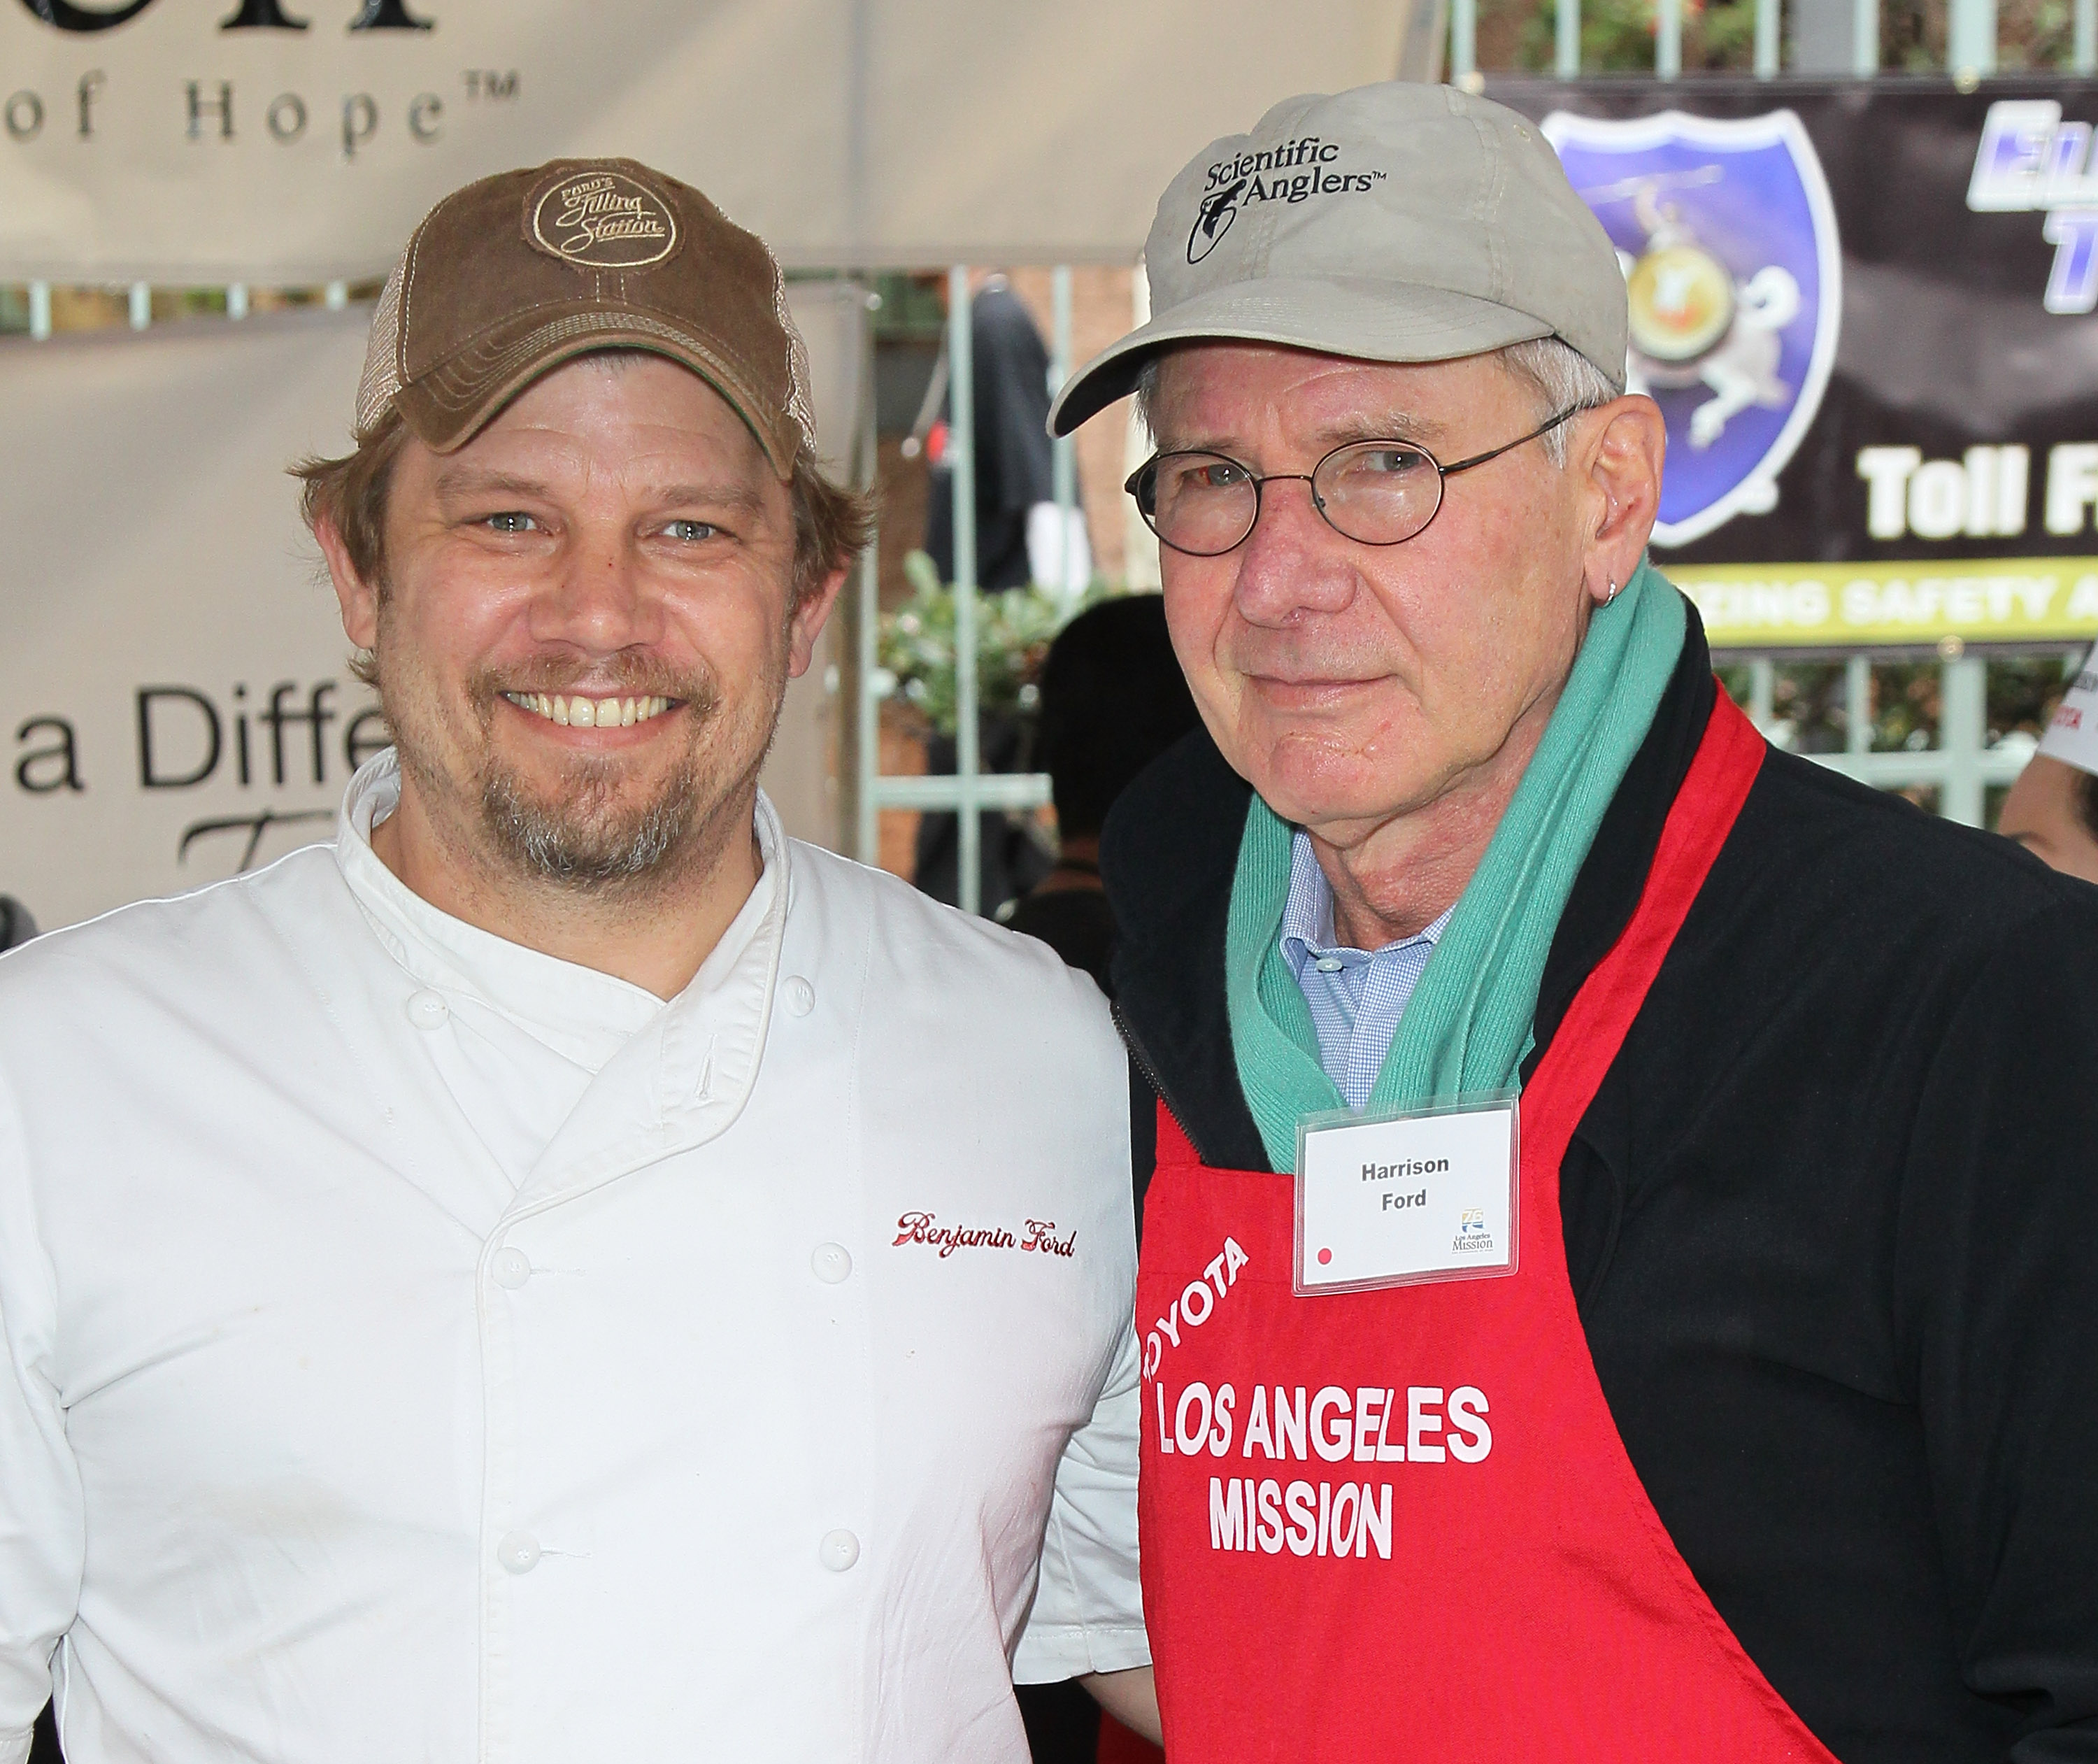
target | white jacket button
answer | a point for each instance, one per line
(518, 1551)
(511, 1268)
(832, 1263)
(797, 995)
(838, 1550)
(426, 1010)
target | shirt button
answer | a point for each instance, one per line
(797, 995)
(511, 1268)
(838, 1550)
(426, 1010)
(1329, 964)
(832, 1263)
(518, 1551)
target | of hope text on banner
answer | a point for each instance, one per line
(297, 142)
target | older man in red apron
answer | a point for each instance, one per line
(1618, 1279)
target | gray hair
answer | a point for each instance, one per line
(1562, 377)
(1146, 394)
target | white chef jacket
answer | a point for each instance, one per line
(417, 1347)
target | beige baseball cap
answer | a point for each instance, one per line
(1399, 222)
(515, 275)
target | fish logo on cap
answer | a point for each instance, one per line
(1219, 208)
(602, 220)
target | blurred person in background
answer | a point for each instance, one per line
(1620, 1277)
(565, 1271)
(1021, 536)
(1112, 700)
(2052, 809)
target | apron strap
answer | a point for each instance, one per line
(1174, 1146)
(1586, 1042)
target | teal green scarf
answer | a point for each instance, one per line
(1466, 1027)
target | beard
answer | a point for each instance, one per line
(581, 832)
(582, 836)
(585, 840)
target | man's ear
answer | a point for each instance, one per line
(807, 624)
(1623, 444)
(358, 598)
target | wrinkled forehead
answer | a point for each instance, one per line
(1210, 392)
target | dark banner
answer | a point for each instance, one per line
(1866, 309)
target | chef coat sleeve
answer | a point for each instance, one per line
(1998, 1283)
(1088, 1614)
(42, 1529)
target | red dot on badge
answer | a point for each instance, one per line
(1325, 1256)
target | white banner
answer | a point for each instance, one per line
(299, 141)
(173, 690)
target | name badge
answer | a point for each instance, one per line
(1400, 1199)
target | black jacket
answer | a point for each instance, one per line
(1831, 1221)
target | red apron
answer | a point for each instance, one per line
(1400, 1524)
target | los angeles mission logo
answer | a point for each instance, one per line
(1294, 172)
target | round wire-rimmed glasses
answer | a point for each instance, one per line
(1373, 492)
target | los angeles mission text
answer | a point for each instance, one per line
(1268, 1425)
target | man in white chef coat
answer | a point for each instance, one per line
(565, 1272)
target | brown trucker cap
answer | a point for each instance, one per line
(514, 275)
(1398, 222)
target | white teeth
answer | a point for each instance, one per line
(580, 713)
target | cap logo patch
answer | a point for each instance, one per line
(603, 220)
(1294, 172)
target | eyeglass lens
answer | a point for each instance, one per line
(1376, 492)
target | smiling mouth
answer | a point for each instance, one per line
(574, 711)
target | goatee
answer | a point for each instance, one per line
(580, 841)
(581, 837)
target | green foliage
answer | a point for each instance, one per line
(1616, 36)
(1718, 36)
(2035, 33)
(1014, 628)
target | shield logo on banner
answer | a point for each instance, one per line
(1734, 277)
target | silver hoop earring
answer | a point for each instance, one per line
(1613, 596)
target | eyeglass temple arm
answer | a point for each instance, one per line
(1479, 459)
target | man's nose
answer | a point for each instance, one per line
(1292, 562)
(598, 600)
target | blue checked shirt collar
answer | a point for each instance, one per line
(1356, 997)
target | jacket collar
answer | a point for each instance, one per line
(1170, 847)
(668, 1075)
